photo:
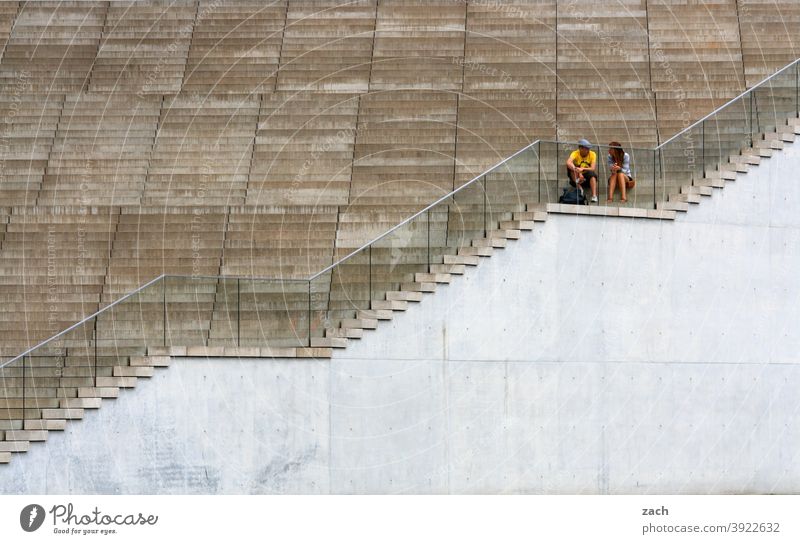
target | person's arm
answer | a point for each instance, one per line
(571, 165)
(626, 164)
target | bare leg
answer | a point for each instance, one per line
(612, 182)
(623, 186)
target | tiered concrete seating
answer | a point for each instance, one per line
(144, 47)
(27, 137)
(54, 265)
(769, 31)
(509, 83)
(304, 149)
(418, 45)
(53, 45)
(202, 151)
(101, 150)
(404, 147)
(327, 45)
(8, 12)
(603, 70)
(235, 47)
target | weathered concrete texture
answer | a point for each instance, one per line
(593, 356)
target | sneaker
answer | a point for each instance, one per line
(594, 199)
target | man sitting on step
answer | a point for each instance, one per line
(582, 167)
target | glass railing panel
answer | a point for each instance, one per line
(273, 313)
(225, 329)
(775, 101)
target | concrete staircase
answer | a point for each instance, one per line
(52, 390)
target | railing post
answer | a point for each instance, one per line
(428, 221)
(23, 391)
(655, 194)
(797, 89)
(750, 118)
(95, 351)
(702, 149)
(309, 313)
(369, 295)
(238, 315)
(539, 172)
(485, 231)
(164, 291)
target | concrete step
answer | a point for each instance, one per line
(531, 215)
(673, 206)
(90, 403)
(339, 343)
(408, 296)
(360, 324)
(150, 360)
(5, 457)
(45, 424)
(16, 446)
(26, 436)
(467, 260)
(102, 392)
(697, 190)
(353, 334)
(489, 242)
(475, 251)
(517, 225)
(422, 277)
(508, 234)
(422, 287)
(455, 269)
(709, 182)
(382, 315)
(62, 413)
(123, 382)
(690, 198)
(394, 305)
(136, 371)
(746, 159)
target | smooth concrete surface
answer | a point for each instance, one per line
(595, 355)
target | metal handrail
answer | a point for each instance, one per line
(391, 230)
(726, 104)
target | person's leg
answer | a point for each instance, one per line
(593, 183)
(612, 182)
(623, 187)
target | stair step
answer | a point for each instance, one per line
(5, 457)
(475, 251)
(62, 413)
(489, 242)
(674, 206)
(409, 296)
(382, 315)
(456, 269)
(726, 175)
(422, 277)
(708, 182)
(508, 234)
(761, 152)
(16, 446)
(697, 190)
(531, 215)
(517, 225)
(102, 392)
(339, 343)
(468, 260)
(353, 334)
(746, 159)
(360, 324)
(394, 305)
(90, 403)
(690, 198)
(26, 436)
(136, 371)
(45, 424)
(124, 382)
(422, 287)
(150, 360)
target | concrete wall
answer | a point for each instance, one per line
(592, 356)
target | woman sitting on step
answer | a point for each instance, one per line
(619, 164)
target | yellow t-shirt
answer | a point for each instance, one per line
(583, 162)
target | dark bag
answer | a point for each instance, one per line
(572, 196)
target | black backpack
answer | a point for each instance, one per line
(572, 195)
